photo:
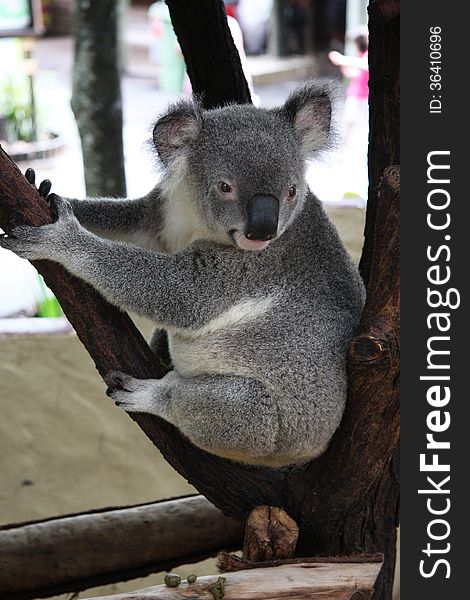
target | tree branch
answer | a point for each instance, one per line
(211, 57)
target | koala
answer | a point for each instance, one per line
(235, 259)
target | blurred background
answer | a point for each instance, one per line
(64, 446)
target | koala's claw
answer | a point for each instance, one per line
(129, 393)
(116, 380)
(44, 187)
(30, 175)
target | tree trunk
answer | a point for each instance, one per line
(76, 552)
(384, 100)
(346, 500)
(96, 96)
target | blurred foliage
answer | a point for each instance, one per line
(16, 107)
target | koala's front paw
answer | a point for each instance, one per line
(131, 394)
(26, 242)
(46, 241)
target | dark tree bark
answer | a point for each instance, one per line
(384, 149)
(345, 501)
(96, 96)
(384, 95)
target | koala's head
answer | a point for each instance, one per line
(245, 166)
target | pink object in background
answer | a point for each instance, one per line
(359, 86)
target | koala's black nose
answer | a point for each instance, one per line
(262, 216)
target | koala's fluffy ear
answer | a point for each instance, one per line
(310, 110)
(175, 131)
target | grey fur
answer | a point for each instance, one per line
(258, 339)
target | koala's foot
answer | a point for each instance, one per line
(132, 394)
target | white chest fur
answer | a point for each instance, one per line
(211, 348)
(181, 224)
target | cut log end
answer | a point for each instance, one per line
(270, 534)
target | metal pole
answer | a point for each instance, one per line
(276, 42)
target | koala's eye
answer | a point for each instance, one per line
(292, 191)
(225, 188)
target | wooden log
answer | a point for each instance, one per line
(290, 582)
(77, 552)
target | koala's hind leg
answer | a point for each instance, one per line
(226, 415)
